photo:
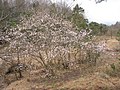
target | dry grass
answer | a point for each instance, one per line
(93, 78)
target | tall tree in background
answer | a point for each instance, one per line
(78, 17)
(98, 29)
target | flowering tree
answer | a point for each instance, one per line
(51, 41)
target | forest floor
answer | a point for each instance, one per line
(99, 77)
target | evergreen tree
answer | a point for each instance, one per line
(78, 17)
(98, 29)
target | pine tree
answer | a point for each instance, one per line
(78, 17)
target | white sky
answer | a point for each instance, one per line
(104, 12)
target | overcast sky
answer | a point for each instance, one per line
(104, 12)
